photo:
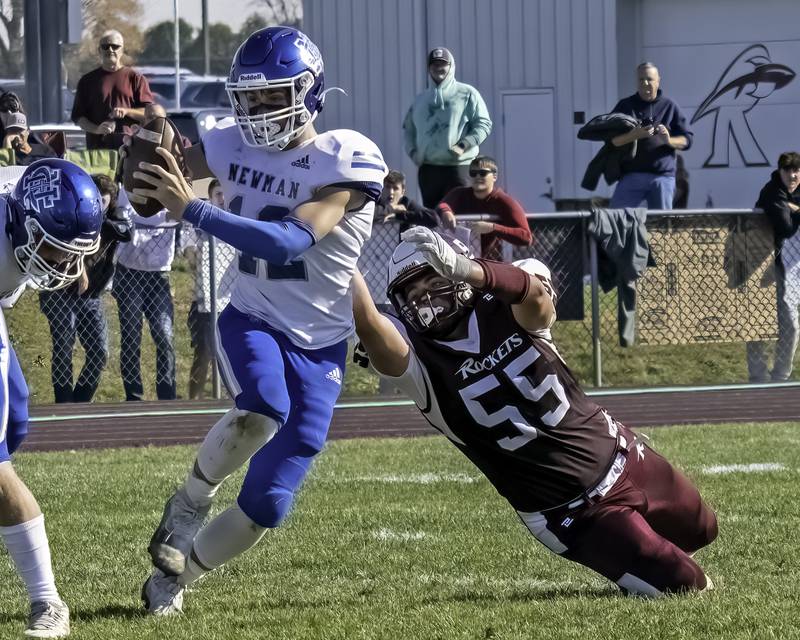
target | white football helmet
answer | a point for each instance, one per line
(437, 309)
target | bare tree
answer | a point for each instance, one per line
(288, 12)
(99, 16)
(11, 42)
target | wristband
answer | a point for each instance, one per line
(505, 281)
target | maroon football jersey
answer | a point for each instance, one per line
(512, 405)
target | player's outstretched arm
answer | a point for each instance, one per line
(388, 351)
(531, 303)
(277, 242)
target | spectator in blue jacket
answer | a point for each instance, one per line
(650, 175)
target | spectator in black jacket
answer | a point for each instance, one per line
(394, 205)
(78, 309)
(780, 200)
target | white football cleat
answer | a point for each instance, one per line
(174, 535)
(48, 619)
(162, 595)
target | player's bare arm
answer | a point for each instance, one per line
(387, 349)
(328, 206)
(532, 304)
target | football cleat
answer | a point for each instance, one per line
(48, 619)
(162, 595)
(173, 538)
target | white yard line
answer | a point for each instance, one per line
(398, 536)
(415, 478)
(754, 467)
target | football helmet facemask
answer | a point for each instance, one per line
(435, 310)
(276, 58)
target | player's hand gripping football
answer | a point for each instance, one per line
(438, 253)
(169, 187)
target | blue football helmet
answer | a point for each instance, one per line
(54, 222)
(276, 58)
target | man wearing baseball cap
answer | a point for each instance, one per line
(444, 128)
(16, 136)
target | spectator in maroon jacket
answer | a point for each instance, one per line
(110, 99)
(484, 197)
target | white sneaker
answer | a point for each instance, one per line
(174, 535)
(162, 595)
(48, 619)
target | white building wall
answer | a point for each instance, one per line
(376, 50)
(701, 46)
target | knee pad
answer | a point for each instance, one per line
(267, 509)
(253, 426)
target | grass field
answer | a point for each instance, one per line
(402, 538)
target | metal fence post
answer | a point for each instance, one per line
(212, 273)
(597, 358)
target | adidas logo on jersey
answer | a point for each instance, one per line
(335, 375)
(302, 163)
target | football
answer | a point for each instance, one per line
(158, 132)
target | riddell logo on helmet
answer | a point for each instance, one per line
(247, 77)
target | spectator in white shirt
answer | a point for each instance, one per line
(142, 289)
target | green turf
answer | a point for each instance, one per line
(402, 538)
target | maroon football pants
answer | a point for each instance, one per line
(640, 534)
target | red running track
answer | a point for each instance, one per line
(90, 426)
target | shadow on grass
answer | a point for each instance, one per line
(533, 594)
(126, 612)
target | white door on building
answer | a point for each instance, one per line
(528, 165)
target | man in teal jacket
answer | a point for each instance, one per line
(444, 128)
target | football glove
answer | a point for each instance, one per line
(438, 253)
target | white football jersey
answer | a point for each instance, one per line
(309, 299)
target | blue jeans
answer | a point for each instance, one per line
(634, 188)
(138, 294)
(71, 316)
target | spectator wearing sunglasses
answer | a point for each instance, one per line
(483, 196)
(111, 98)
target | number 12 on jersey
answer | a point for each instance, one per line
(295, 270)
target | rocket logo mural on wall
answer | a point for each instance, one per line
(751, 77)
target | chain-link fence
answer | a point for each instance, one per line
(665, 298)
(694, 299)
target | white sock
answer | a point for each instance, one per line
(228, 535)
(27, 545)
(230, 443)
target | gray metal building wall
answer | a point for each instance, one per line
(375, 50)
